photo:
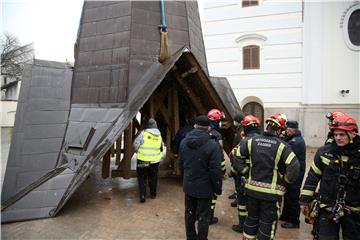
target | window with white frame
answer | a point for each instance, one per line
(251, 48)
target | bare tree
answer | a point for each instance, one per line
(14, 56)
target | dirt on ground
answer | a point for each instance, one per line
(110, 209)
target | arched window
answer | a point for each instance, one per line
(354, 27)
(249, 3)
(256, 110)
(251, 57)
(350, 23)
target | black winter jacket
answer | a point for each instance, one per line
(330, 161)
(199, 161)
(298, 146)
(272, 163)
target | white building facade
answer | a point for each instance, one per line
(291, 57)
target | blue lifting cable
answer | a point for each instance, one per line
(163, 23)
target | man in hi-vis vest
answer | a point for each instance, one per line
(149, 147)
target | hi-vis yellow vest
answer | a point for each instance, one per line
(150, 149)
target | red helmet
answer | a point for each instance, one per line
(250, 120)
(344, 122)
(278, 119)
(215, 115)
(332, 115)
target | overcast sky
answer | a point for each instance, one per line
(51, 25)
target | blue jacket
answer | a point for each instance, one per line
(199, 161)
(298, 146)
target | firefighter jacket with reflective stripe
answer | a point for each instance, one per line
(150, 149)
(240, 165)
(271, 163)
(329, 163)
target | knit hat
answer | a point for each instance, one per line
(238, 117)
(151, 123)
(202, 120)
(292, 124)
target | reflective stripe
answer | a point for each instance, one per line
(238, 151)
(324, 160)
(273, 226)
(148, 148)
(316, 169)
(250, 163)
(243, 214)
(275, 171)
(244, 170)
(307, 192)
(266, 190)
(344, 158)
(247, 236)
(354, 209)
(247, 161)
(241, 207)
(289, 158)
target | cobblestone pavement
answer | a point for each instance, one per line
(110, 209)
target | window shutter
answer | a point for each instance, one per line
(251, 57)
(254, 3)
(255, 57)
(248, 3)
(246, 57)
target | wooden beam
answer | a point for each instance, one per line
(195, 100)
(128, 140)
(151, 107)
(124, 168)
(118, 150)
(164, 112)
(106, 164)
(159, 99)
(175, 110)
(209, 87)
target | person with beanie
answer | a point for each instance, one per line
(199, 162)
(149, 146)
(291, 209)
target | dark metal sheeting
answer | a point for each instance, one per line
(226, 94)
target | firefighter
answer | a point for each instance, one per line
(291, 209)
(250, 128)
(331, 116)
(336, 167)
(149, 148)
(271, 164)
(238, 131)
(215, 117)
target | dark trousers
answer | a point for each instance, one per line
(329, 230)
(197, 209)
(291, 208)
(241, 200)
(261, 221)
(147, 173)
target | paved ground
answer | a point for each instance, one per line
(110, 209)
